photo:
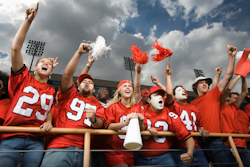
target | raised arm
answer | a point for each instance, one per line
(169, 85)
(244, 92)
(216, 79)
(16, 56)
(229, 88)
(67, 78)
(91, 60)
(230, 68)
(157, 82)
(137, 83)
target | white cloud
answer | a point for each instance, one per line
(63, 25)
(171, 7)
(203, 48)
(199, 7)
(139, 35)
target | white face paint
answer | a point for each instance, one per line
(157, 101)
(82, 85)
(91, 86)
(181, 93)
(39, 65)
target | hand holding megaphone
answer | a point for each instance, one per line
(133, 139)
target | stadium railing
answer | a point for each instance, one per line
(88, 132)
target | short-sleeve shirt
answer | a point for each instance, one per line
(162, 121)
(230, 123)
(209, 107)
(190, 116)
(247, 110)
(117, 113)
(244, 122)
(71, 115)
(31, 102)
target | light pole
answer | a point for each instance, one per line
(198, 73)
(35, 48)
(129, 65)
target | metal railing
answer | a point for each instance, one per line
(88, 132)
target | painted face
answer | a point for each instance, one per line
(157, 100)
(86, 87)
(181, 93)
(44, 67)
(126, 90)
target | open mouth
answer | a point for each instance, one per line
(161, 101)
(44, 68)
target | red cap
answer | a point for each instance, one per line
(83, 76)
(123, 82)
(144, 92)
(154, 89)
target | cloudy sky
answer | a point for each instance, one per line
(197, 31)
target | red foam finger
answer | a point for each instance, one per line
(243, 66)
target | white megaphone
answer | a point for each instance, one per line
(133, 139)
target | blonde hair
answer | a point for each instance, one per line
(117, 97)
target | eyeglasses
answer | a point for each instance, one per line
(1, 86)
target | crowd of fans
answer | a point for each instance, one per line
(28, 101)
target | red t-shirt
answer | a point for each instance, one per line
(247, 110)
(209, 107)
(230, 123)
(163, 121)
(244, 122)
(71, 115)
(190, 116)
(31, 102)
(117, 113)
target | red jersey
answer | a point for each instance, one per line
(71, 115)
(31, 102)
(163, 121)
(4, 106)
(190, 116)
(209, 107)
(230, 123)
(117, 113)
(243, 122)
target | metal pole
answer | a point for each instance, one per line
(131, 77)
(34, 50)
(31, 62)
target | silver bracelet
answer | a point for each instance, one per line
(88, 65)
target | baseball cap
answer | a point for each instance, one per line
(209, 80)
(154, 89)
(83, 76)
(144, 92)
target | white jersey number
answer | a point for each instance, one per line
(79, 109)
(32, 100)
(123, 119)
(158, 124)
(185, 119)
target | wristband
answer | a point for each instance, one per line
(88, 65)
(94, 121)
